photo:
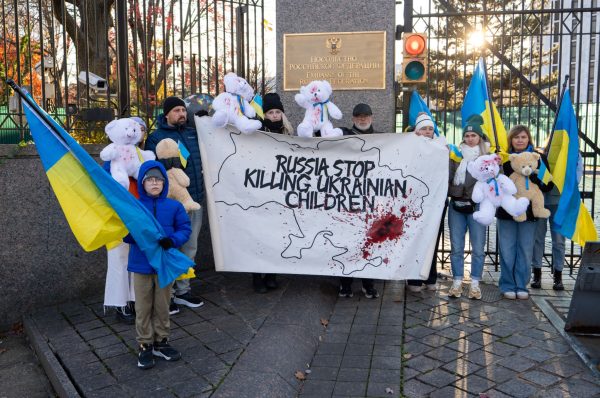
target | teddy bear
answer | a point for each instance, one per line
(493, 189)
(314, 97)
(233, 105)
(167, 152)
(524, 165)
(123, 154)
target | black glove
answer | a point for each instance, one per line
(166, 243)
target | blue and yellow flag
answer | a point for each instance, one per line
(257, 104)
(417, 105)
(98, 209)
(455, 153)
(184, 154)
(571, 219)
(544, 174)
(478, 102)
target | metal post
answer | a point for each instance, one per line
(193, 74)
(408, 22)
(122, 59)
(239, 41)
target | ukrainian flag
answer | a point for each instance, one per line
(478, 102)
(418, 105)
(98, 209)
(257, 104)
(572, 219)
(455, 153)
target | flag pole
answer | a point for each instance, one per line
(489, 98)
(562, 93)
(33, 105)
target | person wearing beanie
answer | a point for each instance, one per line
(152, 324)
(275, 120)
(460, 213)
(172, 123)
(424, 127)
(362, 121)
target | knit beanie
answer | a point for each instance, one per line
(154, 172)
(170, 103)
(272, 101)
(423, 120)
(473, 125)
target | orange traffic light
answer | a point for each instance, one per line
(414, 63)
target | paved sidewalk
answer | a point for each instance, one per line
(302, 340)
(20, 372)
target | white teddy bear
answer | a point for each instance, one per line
(493, 190)
(315, 99)
(233, 106)
(123, 154)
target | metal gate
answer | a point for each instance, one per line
(528, 45)
(87, 62)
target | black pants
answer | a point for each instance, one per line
(432, 279)
(346, 282)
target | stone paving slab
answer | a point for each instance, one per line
(240, 344)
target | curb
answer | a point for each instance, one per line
(56, 374)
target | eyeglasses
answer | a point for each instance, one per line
(154, 180)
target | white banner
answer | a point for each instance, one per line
(362, 206)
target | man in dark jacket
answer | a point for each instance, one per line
(172, 124)
(362, 119)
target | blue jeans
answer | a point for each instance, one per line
(558, 242)
(515, 244)
(458, 224)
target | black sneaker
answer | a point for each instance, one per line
(345, 292)
(370, 292)
(271, 281)
(173, 308)
(145, 357)
(163, 350)
(125, 315)
(188, 300)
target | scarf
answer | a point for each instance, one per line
(528, 149)
(469, 154)
(273, 127)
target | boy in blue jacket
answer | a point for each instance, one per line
(152, 302)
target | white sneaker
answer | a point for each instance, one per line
(510, 295)
(456, 288)
(522, 295)
(414, 289)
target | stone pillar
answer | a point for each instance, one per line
(318, 16)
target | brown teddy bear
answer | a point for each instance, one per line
(167, 152)
(524, 165)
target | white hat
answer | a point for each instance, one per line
(423, 120)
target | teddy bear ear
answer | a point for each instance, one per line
(536, 155)
(497, 159)
(327, 85)
(111, 126)
(512, 156)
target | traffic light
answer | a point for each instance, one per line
(414, 62)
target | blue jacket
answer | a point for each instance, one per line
(189, 137)
(169, 213)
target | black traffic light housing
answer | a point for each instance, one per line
(414, 62)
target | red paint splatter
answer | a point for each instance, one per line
(387, 227)
(403, 209)
(386, 260)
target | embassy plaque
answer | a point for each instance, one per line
(348, 60)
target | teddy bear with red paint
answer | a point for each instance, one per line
(493, 190)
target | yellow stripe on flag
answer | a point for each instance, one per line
(585, 230)
(500, 131)
(92, 220)
(557, 157)
(188, 275)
